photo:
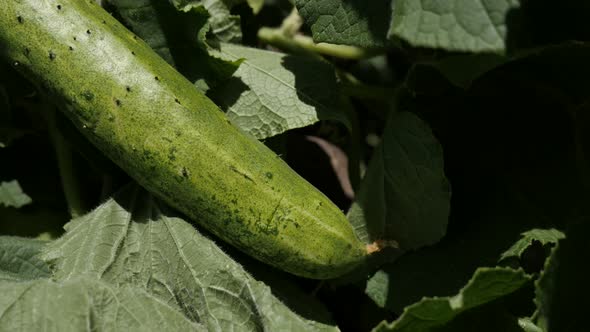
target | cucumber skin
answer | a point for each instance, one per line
(172, 139)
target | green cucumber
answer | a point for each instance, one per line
(172, 139)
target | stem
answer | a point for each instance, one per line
(286, 37)
(65, 164)
(304, 44)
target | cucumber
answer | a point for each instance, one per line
(172, 139)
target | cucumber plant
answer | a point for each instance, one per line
(172, 139)
(491, 96)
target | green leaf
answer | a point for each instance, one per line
(179, 37)
(273, 92)
(11, 194)
(456, 25)
(145, 18)
(486, 285)
(224, 26)
(484, 228)
(19, 261)
(128, 240)
(84, 304)
(508, 175)
(545, 236)
(405, 195)
(563, 280)
(351, 22)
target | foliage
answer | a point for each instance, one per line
(460, 129)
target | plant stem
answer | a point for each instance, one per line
(69, 182)
(299, 43)
(287, 37)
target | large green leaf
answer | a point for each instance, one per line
(486, 285)
(84, 304)
(563, 281)
(145, 18)
(454, 25)
(224, 25)
(128, 240)
(11, 194)
(405, 195)
(178, 36)
(272, 92)
(440, 270)
(544, 236)
(352, 22)
(510, 156)
(19, 261)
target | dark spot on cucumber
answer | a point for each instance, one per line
(147, 154)
(51, 55)
(167, 139)
(71, 48)
(75, 38)
(185, 173)
(58, 7)
(104, 22)
(135, 37)
(178, 133)
(118, 102)
(20, 19)
(27, 51)
(177, 101)
(128, 88)
(88, 32)
(132, 53)
(88, 95)
(268, 175)
(157, 78)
